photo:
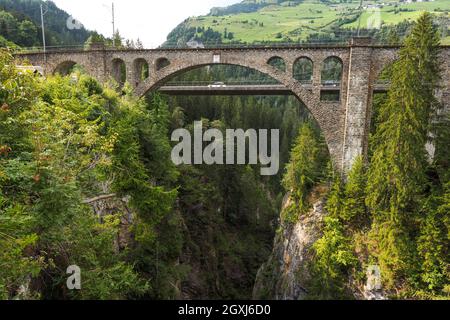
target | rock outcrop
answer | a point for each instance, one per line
(111, 204)
(285, 275)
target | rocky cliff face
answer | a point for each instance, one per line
(285, 275)
(111, 204)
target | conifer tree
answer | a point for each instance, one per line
(433, 243)
(335, 198)
(354, 210)
(397, 172)
(305, 166)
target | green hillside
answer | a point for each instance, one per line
(20, 24)
(306, 21)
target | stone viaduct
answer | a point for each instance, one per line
(345, 122)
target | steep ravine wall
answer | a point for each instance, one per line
(112, 204)
(286, 275)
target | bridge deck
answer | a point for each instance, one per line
(276, 46)
(254, 89)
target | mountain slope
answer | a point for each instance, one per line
(20, 23)
(304, 20)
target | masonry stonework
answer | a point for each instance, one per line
(345, 123)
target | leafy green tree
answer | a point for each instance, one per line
(72, 154)
(95, 39)
(17, 226)
(27, 33)
(63, 141)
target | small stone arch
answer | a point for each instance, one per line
(303, 70)
(141, 70)
(278, 63)
(119, 71)
(64, 68)
(161, 63)
(332, 71)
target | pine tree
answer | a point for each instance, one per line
(139, 44)
(305, 167)
(354, 211)
(335, 198)
(397, 172)
(433, 243)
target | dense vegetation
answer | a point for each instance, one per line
(197, 232)
(230, 212)
(203, 231)
(20, 27)
(63, 142)
(20, 24)
(393, 211)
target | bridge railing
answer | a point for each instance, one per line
(338, 42)
(77, 48)
(221, 82)
(49, 49)
(331, 83)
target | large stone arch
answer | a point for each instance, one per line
(329, 116)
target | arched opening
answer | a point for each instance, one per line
(161, 63)
(236, 205)
(303, 70)
(277, 63)
(331, 78)
(380, 89)
(141, 70)
(119, 71)
(66, 68)
(383, 78)
(332, 71)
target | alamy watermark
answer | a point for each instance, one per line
(73, 24)
(373, 278)
(237, 147)
(74, 280)
(374, 19)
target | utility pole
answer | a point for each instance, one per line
(43, 34)
(114, 26)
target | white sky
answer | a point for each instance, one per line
(147, 20)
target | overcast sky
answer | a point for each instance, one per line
(148, 20)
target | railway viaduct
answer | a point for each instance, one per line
(345, 122)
